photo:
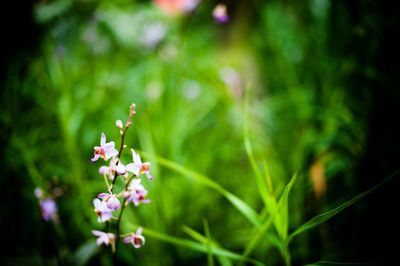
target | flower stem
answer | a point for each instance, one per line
(117, 225)
(121, 147)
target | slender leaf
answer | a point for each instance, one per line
(319, 219)
(210, 260)
(257, 237)
(224, 261)
(262, 188)
(283, 206)
(85, 252)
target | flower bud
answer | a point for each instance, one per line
(38, 193)
(119, 124)
(113, 203)
(125, 194)
(132, 109)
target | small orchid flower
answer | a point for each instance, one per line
(115, 166)
(136, 193)
(137, 167)
(111, 200)
(49, 210)
(104, 238)
(220, 14)
(105, 151)
(137, 240)
(104, 213)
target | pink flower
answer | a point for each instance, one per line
(104, 213)
(220, 14)
(111, 200)
(109, 171)
(49, 210)
(104, 238)
(137, 167)
(137, 240)
(173, 7)
(105, 151)
(136, 193)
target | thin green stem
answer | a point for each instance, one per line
(121, 148)
(286, 255)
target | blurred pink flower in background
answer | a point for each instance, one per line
(220, 14)
(49, 210)
(175, 7)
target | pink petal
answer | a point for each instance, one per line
(97, 203)
(97, 233)
(95, 157)
(146, 201)
(127, 240)
(136, 157)
(150, 177)
(103, 195)
(133, 168)
(102, 139)
(103, 170)
(120, 169)
(108, 146)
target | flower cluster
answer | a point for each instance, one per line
(134, 192)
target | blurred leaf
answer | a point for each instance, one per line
(319, 219)
(85, 252)
(46, 12)
(200, 247)
(240, 205)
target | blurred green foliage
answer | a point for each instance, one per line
(227, 114)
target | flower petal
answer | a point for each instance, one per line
(102, 139)
(133, 168)
(97, 203)
(120, 168)
(103, 195)
(95, 157)
(103, 170)
(136, 157)
(127, 240)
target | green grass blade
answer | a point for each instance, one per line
(224, 261)
(210, 260)
(257, 237)
(194, 234)
(239, 204)
(283, 206)
(262, 188)
(200, 247)
(319, 219)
